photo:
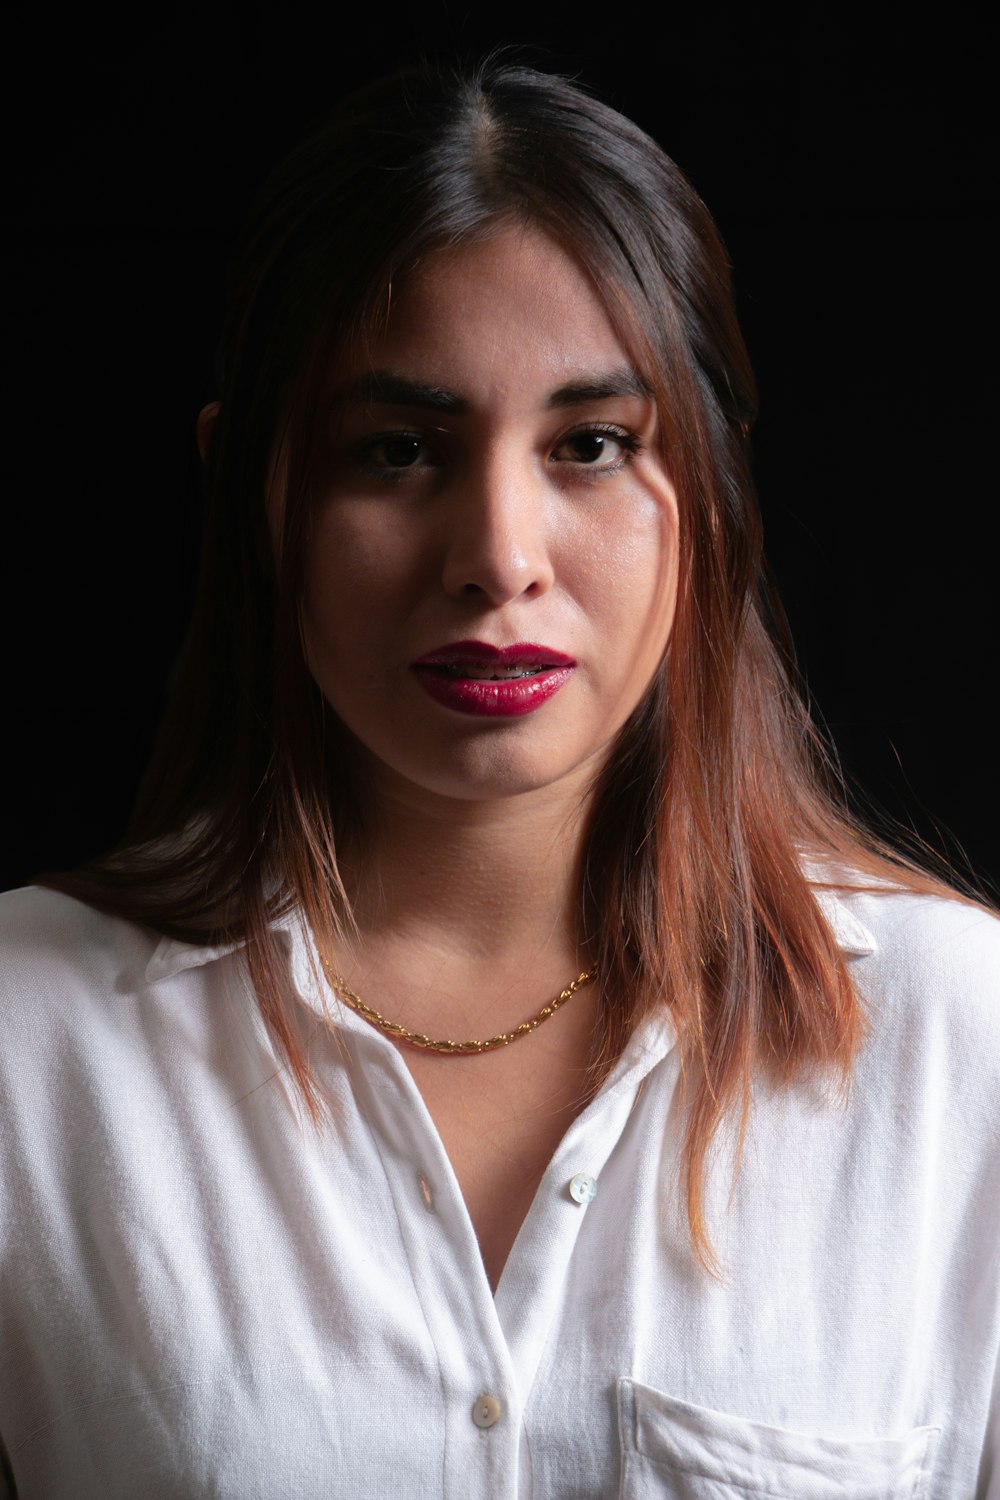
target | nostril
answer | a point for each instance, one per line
(491, 564)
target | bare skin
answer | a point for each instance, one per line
(466, 947)
(521, 514)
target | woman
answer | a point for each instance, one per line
(495, 1064)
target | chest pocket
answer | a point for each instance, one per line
(673, 1451)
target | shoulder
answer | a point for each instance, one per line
(35, 921)
(930, 986)
(55, 949)
(945, 948)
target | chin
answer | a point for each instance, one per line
(484, 773)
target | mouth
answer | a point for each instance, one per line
(473, 677)
(478, 672)
(479, 661)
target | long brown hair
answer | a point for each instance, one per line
(718, 798)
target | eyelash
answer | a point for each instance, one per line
(394, 474)
(628, 442)
(390, 473)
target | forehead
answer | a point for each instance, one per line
(510, 313)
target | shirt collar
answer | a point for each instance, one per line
(172, 955)
(851, 935)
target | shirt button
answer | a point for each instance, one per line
(582, 1188)
(486, 1411)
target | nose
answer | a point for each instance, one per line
(497, 543)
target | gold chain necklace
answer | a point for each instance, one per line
(417, 1038)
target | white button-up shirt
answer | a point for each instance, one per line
(202, 1295)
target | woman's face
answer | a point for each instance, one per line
(492, 569)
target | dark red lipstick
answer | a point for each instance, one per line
(473, 677)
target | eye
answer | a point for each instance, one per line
(601, 448)
(394, 451)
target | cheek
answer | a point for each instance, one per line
(337, 583)
(359, 574)
(631, 570)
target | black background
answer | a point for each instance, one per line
(850, 161)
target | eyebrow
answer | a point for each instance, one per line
(624, 382)
(383, 388)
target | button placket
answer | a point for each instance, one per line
(443, 1265)
(529, 1290)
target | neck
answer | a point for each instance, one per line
(471, 887)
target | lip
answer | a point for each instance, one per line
(439, 674)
